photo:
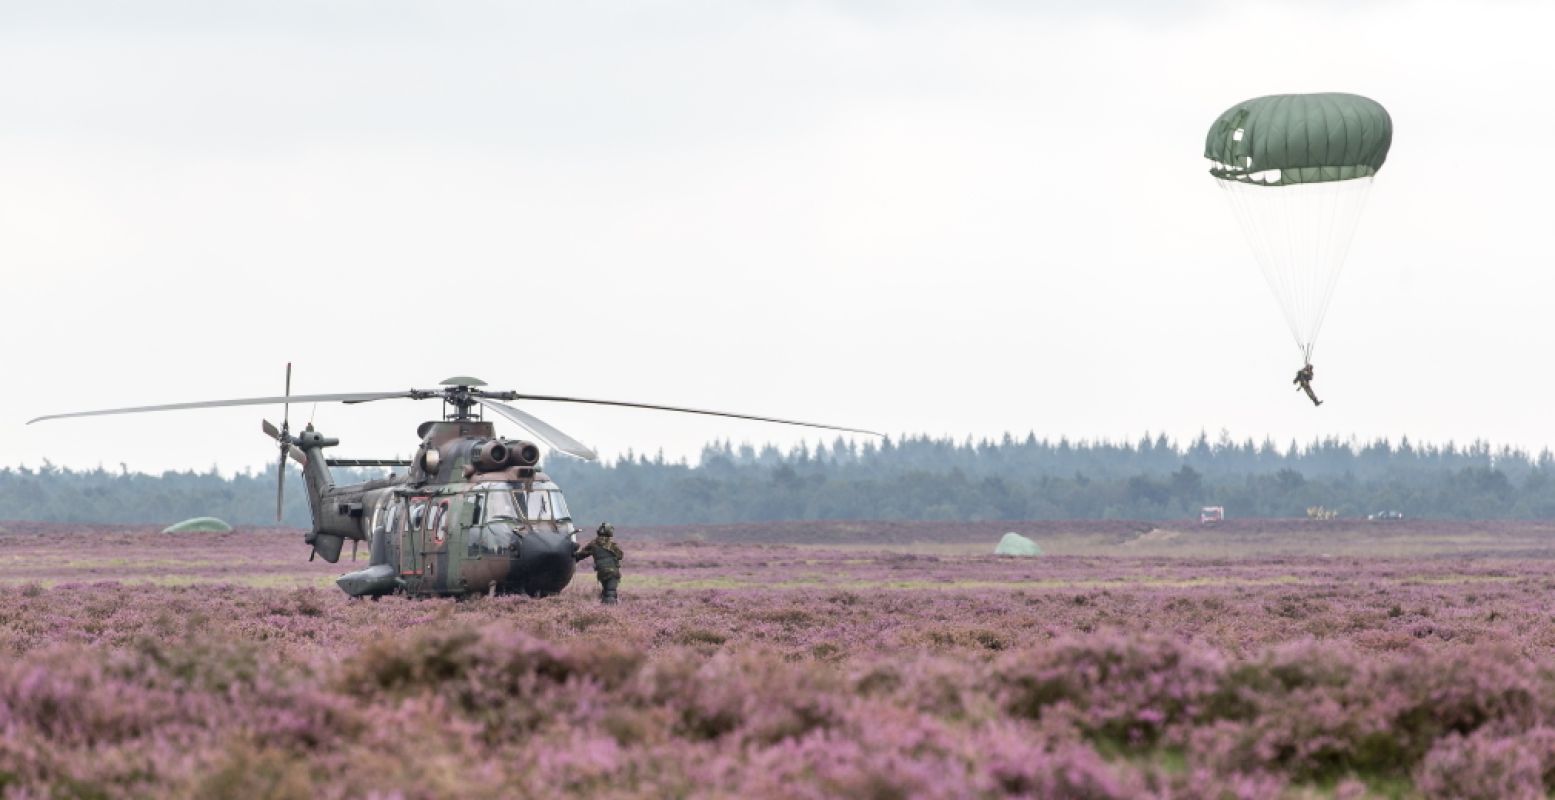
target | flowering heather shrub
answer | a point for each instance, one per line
(1486, 765)
(768, 671)
(1315, 710)
(1125, 689)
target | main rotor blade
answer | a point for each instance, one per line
(280, 488)
(542, 430)
(286, 407)
(554, 399)
(361, 397)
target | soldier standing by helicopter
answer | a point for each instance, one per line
(607, 557)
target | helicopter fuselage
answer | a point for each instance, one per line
(473, 515)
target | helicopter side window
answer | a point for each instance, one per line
(439, 526)
(392, 515)
(418, 512)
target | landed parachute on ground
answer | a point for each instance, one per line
(199, 525)
(1014, 544)
(1297, 169)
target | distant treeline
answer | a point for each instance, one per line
(913, 478)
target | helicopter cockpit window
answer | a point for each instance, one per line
(544, 503)
(491, 539)
(496, 519)
(538, 506)
(495, 502)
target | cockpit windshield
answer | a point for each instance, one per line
(497, 504)
(559, 505)
(540, 502)
(544, 503)
(539, 505)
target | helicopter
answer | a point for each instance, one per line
(473, 514)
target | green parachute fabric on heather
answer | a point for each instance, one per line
(1287, 139)
(199, 525)
(1014, 544)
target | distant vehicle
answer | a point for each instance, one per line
(1319, 512)
(1385, 515)
(1209, 515)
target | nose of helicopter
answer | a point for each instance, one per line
(544, 564)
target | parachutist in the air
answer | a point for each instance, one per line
(1303, 382)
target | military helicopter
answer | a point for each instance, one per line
(473, 514)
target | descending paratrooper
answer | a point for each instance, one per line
(1296, 169)
(1303, 381)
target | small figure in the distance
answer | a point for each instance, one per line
(1303, 382)
(607, 557)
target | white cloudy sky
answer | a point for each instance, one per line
(951, 218)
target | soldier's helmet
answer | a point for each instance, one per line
(606, 529)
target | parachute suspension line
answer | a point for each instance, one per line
(1344, 221)
(1298, 295)
(1288, 266)
(1300, 235)
(1267, 259)
(1301, 239)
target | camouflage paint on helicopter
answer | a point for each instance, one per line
(474, 513)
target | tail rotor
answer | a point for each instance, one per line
(283, 437)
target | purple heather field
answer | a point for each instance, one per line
(896, 661)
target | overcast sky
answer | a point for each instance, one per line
(950, 218)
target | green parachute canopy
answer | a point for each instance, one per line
(199, 525)
(1014, 544)
(1296, 169)
(1286, 139)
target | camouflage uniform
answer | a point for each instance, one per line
(607, 557)
(1304, 383)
